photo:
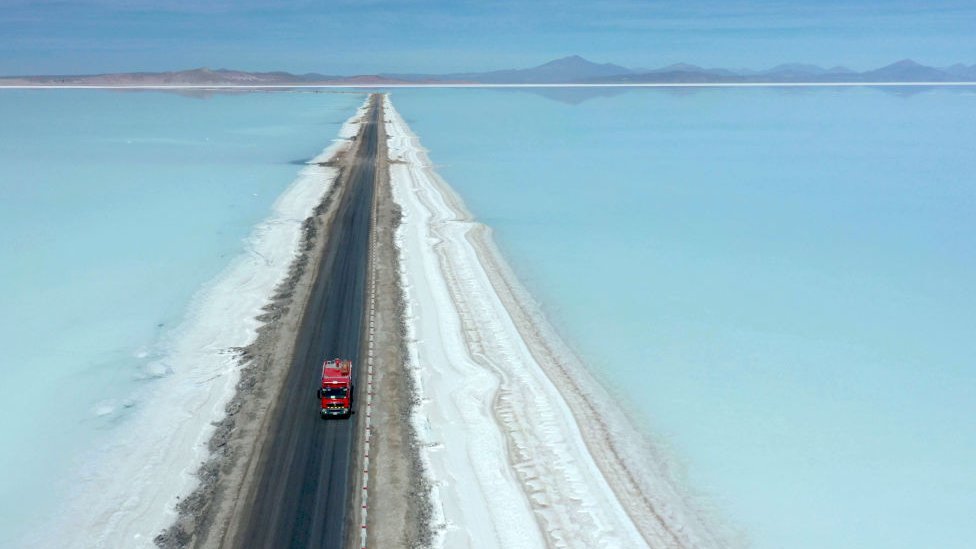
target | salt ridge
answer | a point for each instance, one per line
(130, 488)
(506, 458)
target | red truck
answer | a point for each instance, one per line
(336, 390)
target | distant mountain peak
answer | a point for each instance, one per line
(568, 61)
(908, 70)
(569, 69)
(905, 64)
(572, 68)
(574, 62)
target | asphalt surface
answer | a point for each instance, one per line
(304, 485)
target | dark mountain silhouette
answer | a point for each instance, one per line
(559, 71)
(685, 68)
(566, 70)
(907, 71)
(903, 71)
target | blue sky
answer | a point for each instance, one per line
(368, 36)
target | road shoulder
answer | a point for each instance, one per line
(210, 515)
(399, 498)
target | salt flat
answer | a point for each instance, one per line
(509, 464)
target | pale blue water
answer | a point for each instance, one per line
(116, 208)
(782, 283)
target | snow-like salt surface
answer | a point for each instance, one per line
(797, 331)
(506, 458)
(129, 489)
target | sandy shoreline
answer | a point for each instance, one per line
(505, 417)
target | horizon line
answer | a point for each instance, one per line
(540, 85)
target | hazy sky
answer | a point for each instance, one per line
(367, 36)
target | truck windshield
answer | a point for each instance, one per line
(334, 392)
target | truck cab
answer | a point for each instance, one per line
(335, 392)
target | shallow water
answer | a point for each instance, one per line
(781, 284)
(117, 208)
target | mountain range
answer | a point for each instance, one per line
(567, 70)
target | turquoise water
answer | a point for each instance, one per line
(116, 209)
(780, 283)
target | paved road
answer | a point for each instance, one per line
(303, 493)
